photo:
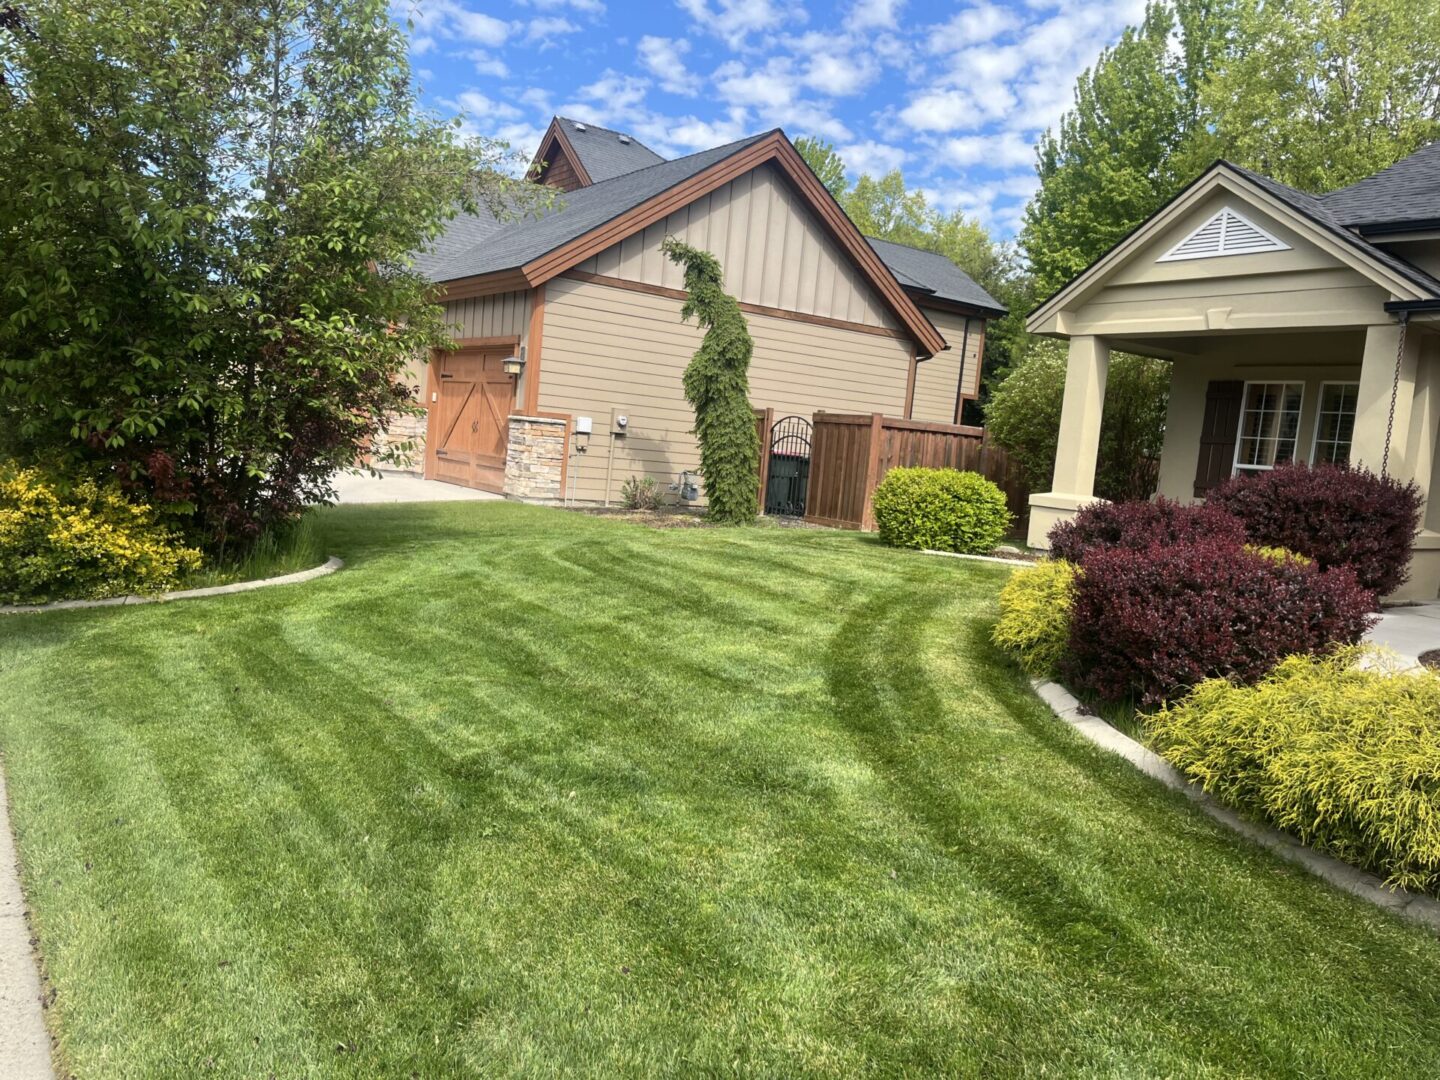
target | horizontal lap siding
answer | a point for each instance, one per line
(606, 348)
(937, 379)
(774, 252)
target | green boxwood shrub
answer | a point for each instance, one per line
(1347, 760)
(81, 541)
(1034, 623)
(940, 510)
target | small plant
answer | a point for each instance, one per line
(1336, 515)
(1346, 759)
(81, 541)
(1138, 525)
(1279, 555)
(1151, 624)
(640, 493)
(940, 510)
(1034, 623)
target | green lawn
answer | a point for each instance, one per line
(527, 792)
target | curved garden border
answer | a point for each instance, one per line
(1408, 905)
(329, 566)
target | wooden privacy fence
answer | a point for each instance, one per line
(851, 453)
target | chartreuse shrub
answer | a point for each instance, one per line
(1348, 760)
(83, 540)
(1334, 514)
(940, 510)
(1034, 623)
(1148, 625)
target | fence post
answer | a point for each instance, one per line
(872, 471)
(764, 421)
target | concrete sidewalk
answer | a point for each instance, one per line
(1408, 631)
(393, 487)
(24, 1042)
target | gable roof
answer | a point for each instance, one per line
(601, 154)
(1307, 209)
(935, 277)
(523, 253)
(1407, 191)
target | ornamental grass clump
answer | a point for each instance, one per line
(1348, 760)
(940, 510)
(81, 541)
(1334, 514)
(1139, 524)
(1034, 624)
(1149, 625)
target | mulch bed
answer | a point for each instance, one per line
(1431, 659)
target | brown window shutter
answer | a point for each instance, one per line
(1223, 401)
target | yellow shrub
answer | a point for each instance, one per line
(1279, 555)
(83, 542)
(1348, 760)
(1035, 614)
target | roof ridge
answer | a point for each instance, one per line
(671, 161)
(586, 125)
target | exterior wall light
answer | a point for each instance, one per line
(513, 365)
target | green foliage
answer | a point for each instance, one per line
(1023, 416)
(940, 510)
(81, 541)
(1346, 759)
(825, 162)
(1034, 622)
(640, 493)
(206, 232)
(1314, 93)
(718, 389)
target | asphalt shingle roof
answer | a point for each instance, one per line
(1317, 210)
(933, 274)
(515, 243)
(605, 153)
(1409, 190)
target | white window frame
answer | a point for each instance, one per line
(1320, 405)
(1235, 465)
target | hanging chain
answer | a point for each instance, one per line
(1394, 393)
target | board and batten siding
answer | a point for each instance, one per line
(938, 379)
(774, 251)
(608, 349)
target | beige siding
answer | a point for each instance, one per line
(937, 379)
(490, 316)
(608, 349)
(774, 251)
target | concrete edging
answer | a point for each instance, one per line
(329, 566)
(24, 1039)
(978, 558)
(1356, 882)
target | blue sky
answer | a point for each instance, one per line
(954, 95)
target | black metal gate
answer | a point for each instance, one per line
(789, 474)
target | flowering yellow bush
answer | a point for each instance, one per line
(86, 541)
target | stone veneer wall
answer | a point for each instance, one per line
(400, 430)
(535, 459)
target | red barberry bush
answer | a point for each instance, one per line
(1336, 515)
(1148, 625)
(1140, 524)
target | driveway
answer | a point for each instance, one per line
(1409, 631)
(393, 487)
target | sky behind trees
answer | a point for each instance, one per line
(953, 95)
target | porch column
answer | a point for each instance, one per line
(1372, 407)
(1081, 410)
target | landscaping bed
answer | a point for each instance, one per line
(530, 792)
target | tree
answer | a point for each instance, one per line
(1023, 416)
(717, 388)
(823, 159)
(206, 233)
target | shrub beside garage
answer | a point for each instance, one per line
(940, 510)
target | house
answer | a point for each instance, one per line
(568, 375)
(1299, 328)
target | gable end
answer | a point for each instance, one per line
(1228, 232)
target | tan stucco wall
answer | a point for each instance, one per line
(1310, 358)
(606, 349)
(774, 252)
(936, 379)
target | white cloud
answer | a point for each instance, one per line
(874, 14)
(773, 84)
(616, 92)
(872, 158)
(477, 26)
(664, 58)
(839, 76)
(486, 63)
(973, 26)
(733, 21)
(1002, 150)
(481, 108)
(547, 27)
(590, 7)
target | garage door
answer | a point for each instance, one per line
(469, 421)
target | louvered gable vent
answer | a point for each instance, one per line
(1227, 233)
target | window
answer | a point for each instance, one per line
(1269, 424)
(1335, 426)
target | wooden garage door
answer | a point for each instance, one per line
(469, 422)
